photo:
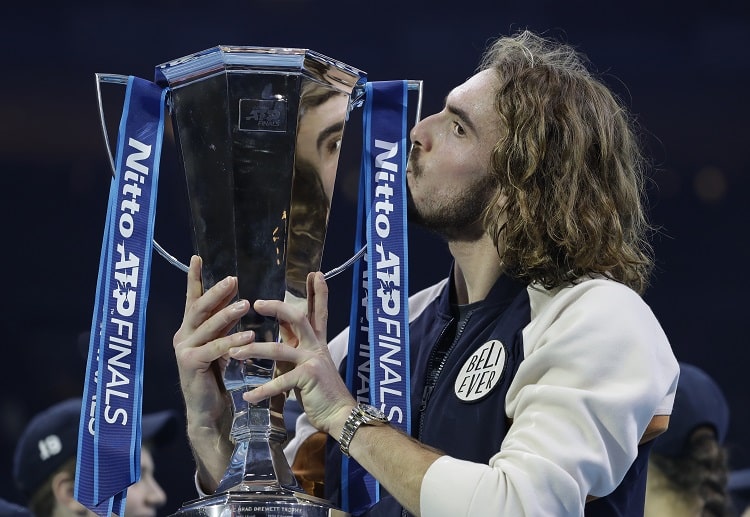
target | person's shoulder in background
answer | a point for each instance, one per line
(9, 509)
(739, 488)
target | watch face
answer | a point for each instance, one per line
(373, 412)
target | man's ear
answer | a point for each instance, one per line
(63, 487)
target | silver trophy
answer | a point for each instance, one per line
(258, 132)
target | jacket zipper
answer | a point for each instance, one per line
(430, 387)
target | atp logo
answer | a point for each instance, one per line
(481, 372)
(262, 115)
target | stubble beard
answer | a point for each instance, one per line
(457, 218)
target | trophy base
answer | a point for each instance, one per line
(280, 503)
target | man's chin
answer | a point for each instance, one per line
(447, 232)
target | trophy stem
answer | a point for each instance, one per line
(258, 462)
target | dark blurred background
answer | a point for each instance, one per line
(682, 68)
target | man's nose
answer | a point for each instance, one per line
(419, 135)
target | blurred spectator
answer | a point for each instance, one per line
(688, 467)
(45, 461)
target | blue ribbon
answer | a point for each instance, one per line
(378, 358)
(109, 438)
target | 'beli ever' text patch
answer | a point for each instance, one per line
(481, 372)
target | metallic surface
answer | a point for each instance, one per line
(283, 503)
(260, 209)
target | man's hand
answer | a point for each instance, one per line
(201, 347)
(303, 359)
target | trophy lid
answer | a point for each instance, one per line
(239, 59)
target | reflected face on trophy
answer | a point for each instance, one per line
(320, 128)
(319, 133)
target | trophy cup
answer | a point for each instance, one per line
(257, 131)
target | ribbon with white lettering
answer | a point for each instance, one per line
(378, 358)
(109, 437)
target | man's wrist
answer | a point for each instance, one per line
(361, 414)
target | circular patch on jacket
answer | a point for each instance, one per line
(481, 372)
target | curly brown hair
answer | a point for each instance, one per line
(569, 167)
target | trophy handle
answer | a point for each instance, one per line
(412, 85)
(123, 79)
(416, 85)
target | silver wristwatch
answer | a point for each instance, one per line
(362, 414)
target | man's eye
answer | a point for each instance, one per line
(458, 129)
(333, 146)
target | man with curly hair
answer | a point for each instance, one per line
(533, 176)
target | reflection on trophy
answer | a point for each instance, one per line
(258, 132)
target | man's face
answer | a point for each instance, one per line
(146, 496)
(448, 172)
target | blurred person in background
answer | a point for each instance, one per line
(44, 464)
(688, 469)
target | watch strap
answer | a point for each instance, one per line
(361, 414)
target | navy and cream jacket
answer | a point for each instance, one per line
(537, 398)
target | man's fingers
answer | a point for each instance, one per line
(218, 348)
(266, 350)
(194, 285)
(217, 325)
(199, 308)
(283, 381)
(289, 316)
(319, 317)
(280, 384)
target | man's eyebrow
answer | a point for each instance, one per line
(460, 113)
(334, 128)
